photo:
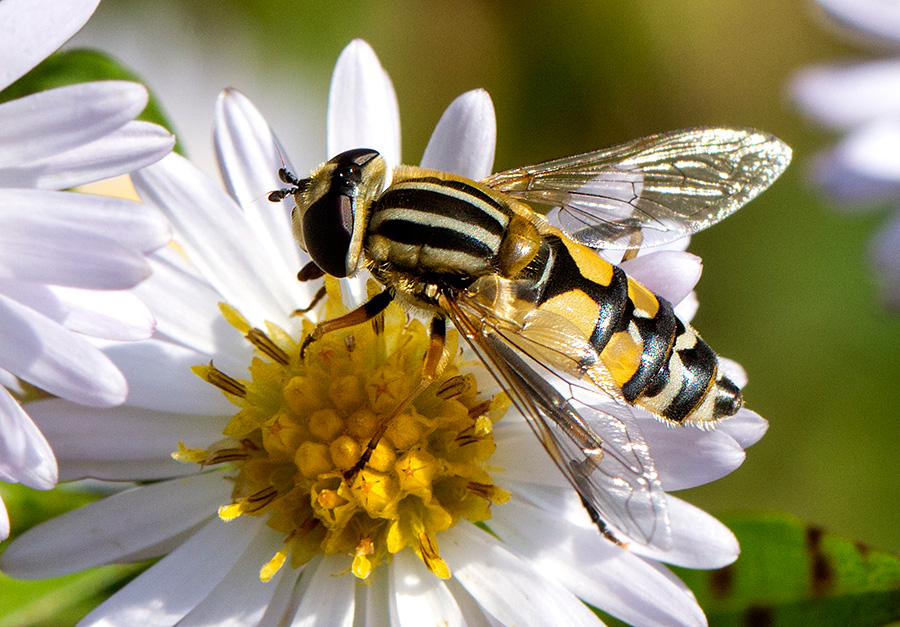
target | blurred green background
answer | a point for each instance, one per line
(787, 289)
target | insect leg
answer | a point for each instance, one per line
(309, 272)
(436, 359)
(363, 313)
(319, 295)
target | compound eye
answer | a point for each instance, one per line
(327, 232)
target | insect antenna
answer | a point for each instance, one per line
(290, 178)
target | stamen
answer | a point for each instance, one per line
(259, 500)
(248, 504)
(479, 409)
(455, 386)
(428, 551)
(273, 566)
(221, 380)
(362, 565)
(488, 492)
(227, 455)
(263, 342)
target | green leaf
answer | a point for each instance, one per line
(62, 600)
(790, 573)
(82, 66)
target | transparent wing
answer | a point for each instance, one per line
(650, 191)
(602, 453)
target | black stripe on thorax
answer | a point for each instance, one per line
(460, 186)
(429, 202)
(426, 235)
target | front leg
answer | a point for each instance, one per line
(363, 313)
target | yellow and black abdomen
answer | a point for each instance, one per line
(655, 360)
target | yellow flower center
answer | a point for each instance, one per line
(304, 423)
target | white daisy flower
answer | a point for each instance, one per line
(65, 257)
(269, 530)
(861, 100)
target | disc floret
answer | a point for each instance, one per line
(303, 423)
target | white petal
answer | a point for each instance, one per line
(733, 370)
(687, 308)
(10, 382)
(25, 455)
(420, 597)
(116, 527)
(853, 190)
(679, 245)
(4, 521)
(170, 589)
(511, 589)
(848, 95)
(886, 257)
(746, 427)
(279, 606)
(249, 157)
(362, 105)
(670, 274)
(686, 456)
(187, 311)
(241, 598)
(56, 120)
(872, 151)
(76, 240)
(328, 600)
(63, 363)
(122, 434)
(26, 40)
(698, 539)
(520, 456)
(103, 314)
(108, 315)
(135, 145)
(120, 470)
(217, 239)
(875, 18)
(473, 613)
(374, 602)
(602, 574)
(464, 139)
(160, 378)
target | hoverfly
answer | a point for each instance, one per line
(562, 330)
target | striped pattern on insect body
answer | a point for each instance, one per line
(551, 319)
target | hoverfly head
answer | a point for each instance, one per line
(333, 205)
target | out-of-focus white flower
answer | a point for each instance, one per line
(861, 100)
(273, 448)
(65, 257)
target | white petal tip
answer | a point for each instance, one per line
(464, 139)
